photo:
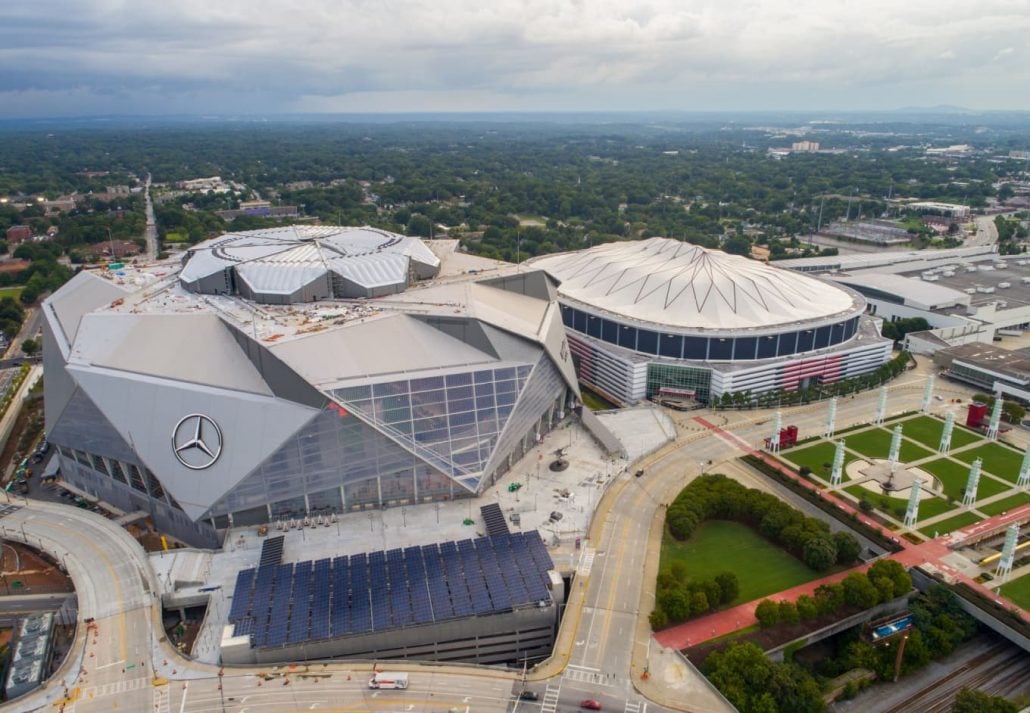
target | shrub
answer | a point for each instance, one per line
(788, 612)
(807, 608)
(768, 613)
(658, 620)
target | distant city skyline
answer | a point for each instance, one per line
(70, 58)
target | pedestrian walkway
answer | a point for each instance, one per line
(739, 617)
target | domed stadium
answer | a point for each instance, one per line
(662, 317)
(250, 385)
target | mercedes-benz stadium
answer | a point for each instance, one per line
(660, 317)
(255, 380)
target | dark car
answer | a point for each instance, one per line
(639, 473)
(590, 704)
(528, 696)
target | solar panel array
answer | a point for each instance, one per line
(282, 604)
(493, 518)
(271, 551)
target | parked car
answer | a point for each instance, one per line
(590, 704)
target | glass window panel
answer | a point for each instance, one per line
(610, 332)
(806, 338)
(838, 334)
(429, 397)
(390, 387)
(460, 405)
(628, 337)
(566, 316)
(483, 377)
(507, 387)
(579, 321)
(767, 347)
(505, 399)
(647, 341)
(822, 337)
(354, 393)
(458, 379)
(459, 392)
(485, 401)
(671, 345)
(745, 347)
(720, 348)
(505, 374)
(695, 348)
(427, 383)
(594, 325)
(787, 343)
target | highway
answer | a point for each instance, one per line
(150, 232)
(603, 648)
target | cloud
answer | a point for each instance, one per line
(337, 54)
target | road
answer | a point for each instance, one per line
(986, 231)
(603, 647)
(150, 233)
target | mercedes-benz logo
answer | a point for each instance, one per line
(197, 441)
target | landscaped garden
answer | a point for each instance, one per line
(718, 546)
(927, 430)
(817, 458)
(725, 544)
(876, 443)
(998, 459)
(1000, 469)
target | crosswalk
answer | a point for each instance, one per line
(635, 707)
(549, 704)
(161, 696)
(110, 689)
(586, 561)
(586, 675)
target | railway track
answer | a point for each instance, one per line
(1000, 670)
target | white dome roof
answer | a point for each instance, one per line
(687, 287)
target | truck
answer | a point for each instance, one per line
(387, 679)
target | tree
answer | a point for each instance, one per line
(807, 608)
(885, 588)
(659, 620)
(972, 701)
(768, 613)
(729, 587)
(698, 603)
(848, 547)
(893, 571)
(859, 592)
(30, 346)
(820, 553)
(675, 605)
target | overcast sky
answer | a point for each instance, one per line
(81, 57)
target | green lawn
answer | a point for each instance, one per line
(876, 443)
(176, 238)
(952, 523)
(999, 460)
(14, 292)
(1018, 591)
(723, 546)
(1004, 505)
(927, 430)
(928, 507)
(818, 457)
(954, 476)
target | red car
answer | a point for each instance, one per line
(590, 704)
